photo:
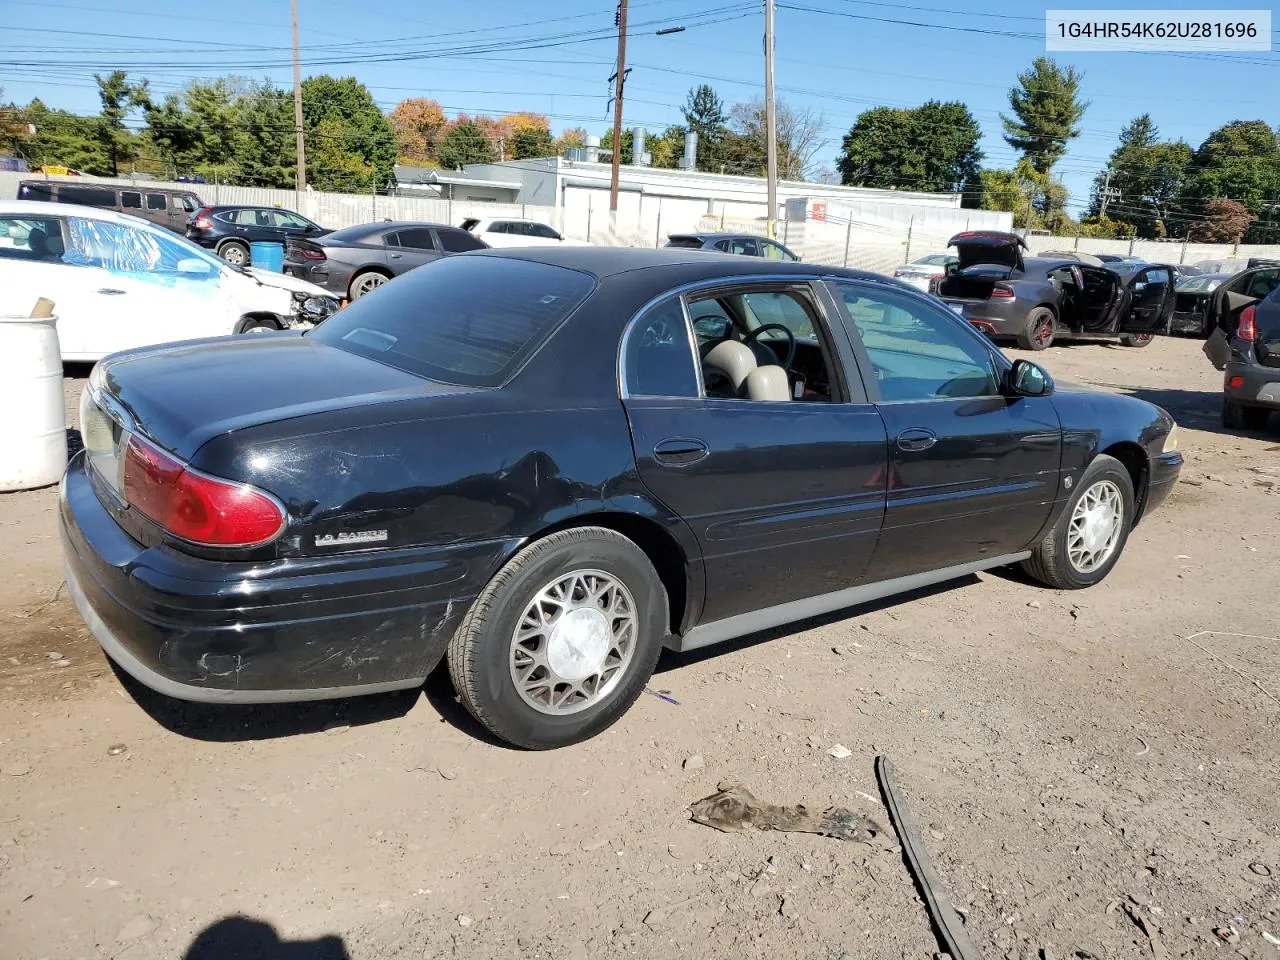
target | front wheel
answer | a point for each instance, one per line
(1088, 538)
(562, 641)
(1137, 339)
(1039, 331)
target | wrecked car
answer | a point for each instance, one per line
(118, 282)
(543, 465)
(1036, 300)
(1245, 344)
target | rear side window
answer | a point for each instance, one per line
(658, 357)
(688, 243)
(418, 238)
(467, 320)
(227, 216)
(459, 241)
(155, 201)
(129, 200)
(89, 196)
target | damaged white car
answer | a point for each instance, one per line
(118, 282)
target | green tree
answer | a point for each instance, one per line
(933, 147)
(1148, 175)
(1046, 109)
(666, 149)
(531, 143)
(1037, 201)
(64, 139)
(704, 115)
(465, 143)
(606, 144)
(266, 147)
(357, 135)
(197, 131)
(1239, 161)
(119, 99)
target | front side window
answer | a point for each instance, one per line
(465, 320)
(657, 356)
(917, 351)
(130, 249)
(284, 218)
(130, 200)
(31, 238)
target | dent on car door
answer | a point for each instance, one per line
(1151, 300)
(784, 497)
(973, 473)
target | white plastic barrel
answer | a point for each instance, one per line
(33, 416)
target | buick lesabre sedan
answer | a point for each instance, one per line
(545, 465)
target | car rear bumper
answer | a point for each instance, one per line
(1256, 385)
(994, 319)
(1164, 474)
(266, 632)
(322, 275)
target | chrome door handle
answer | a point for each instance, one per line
(916, 439)
(396, 256)
(111, 291)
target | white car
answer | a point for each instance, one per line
(118, 282)
(922, 272)
(514, 232)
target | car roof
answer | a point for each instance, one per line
(49, 208)
(603, 262)
(718, 236)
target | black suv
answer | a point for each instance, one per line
(228, 229)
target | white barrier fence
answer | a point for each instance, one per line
(646, 221)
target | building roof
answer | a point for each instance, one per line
(426, 176)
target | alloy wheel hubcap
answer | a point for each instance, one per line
(369, 283)
(1094, 529)
(234, 255)
(574, 642)
(1044, 331)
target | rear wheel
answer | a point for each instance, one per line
(1039, 331)
(1235, 416)
(362, 283)
(235, 253)
(1089, 536)
(562, 640)
(1136, 339)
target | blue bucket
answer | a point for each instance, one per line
(267, 256)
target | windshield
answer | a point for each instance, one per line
(1125, 269)
(934, 260)
(466, 320)
(1202, 284)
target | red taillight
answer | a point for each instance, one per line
(197, 508)
(1001, 293)
(1236, 382)
(309, 254)
(1248, 329)
(203, 223)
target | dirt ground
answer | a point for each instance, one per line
(1095, 773)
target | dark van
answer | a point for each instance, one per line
(162, 206)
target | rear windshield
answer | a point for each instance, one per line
(692, 242)
(466, 320)
(356, 234)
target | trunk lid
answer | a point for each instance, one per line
(988, 246)
(182, 395)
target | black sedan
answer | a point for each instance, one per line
(229, 229)
(351, 262)
(741, 244)
(1037, 300)
(545, 465)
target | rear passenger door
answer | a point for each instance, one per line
(1151, 300)
(973, 473)
(411, 247)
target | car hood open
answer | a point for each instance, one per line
(181, 395)
(988, 246)
(284, 281)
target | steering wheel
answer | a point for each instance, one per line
(754, 335)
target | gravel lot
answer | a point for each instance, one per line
(1095, 772)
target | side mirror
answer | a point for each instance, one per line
(1028, 379)
(193, 267)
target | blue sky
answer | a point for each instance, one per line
(840, 62)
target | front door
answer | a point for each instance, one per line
(972, 473)
(1150, 303)
(785, 496)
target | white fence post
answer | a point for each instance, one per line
(910, 226)
(657, 230)
(848, 235)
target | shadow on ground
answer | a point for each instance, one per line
(247, 939)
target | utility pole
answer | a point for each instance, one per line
(770, 116)
(618, 77)
(1106, 194)
(297, 106)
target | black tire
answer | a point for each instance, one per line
(365, 282)
(480, 654)
(257, 325)
(1050, 562)
(235, 252)
(1238, 417)
(1137, 340)
(1038, 334)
